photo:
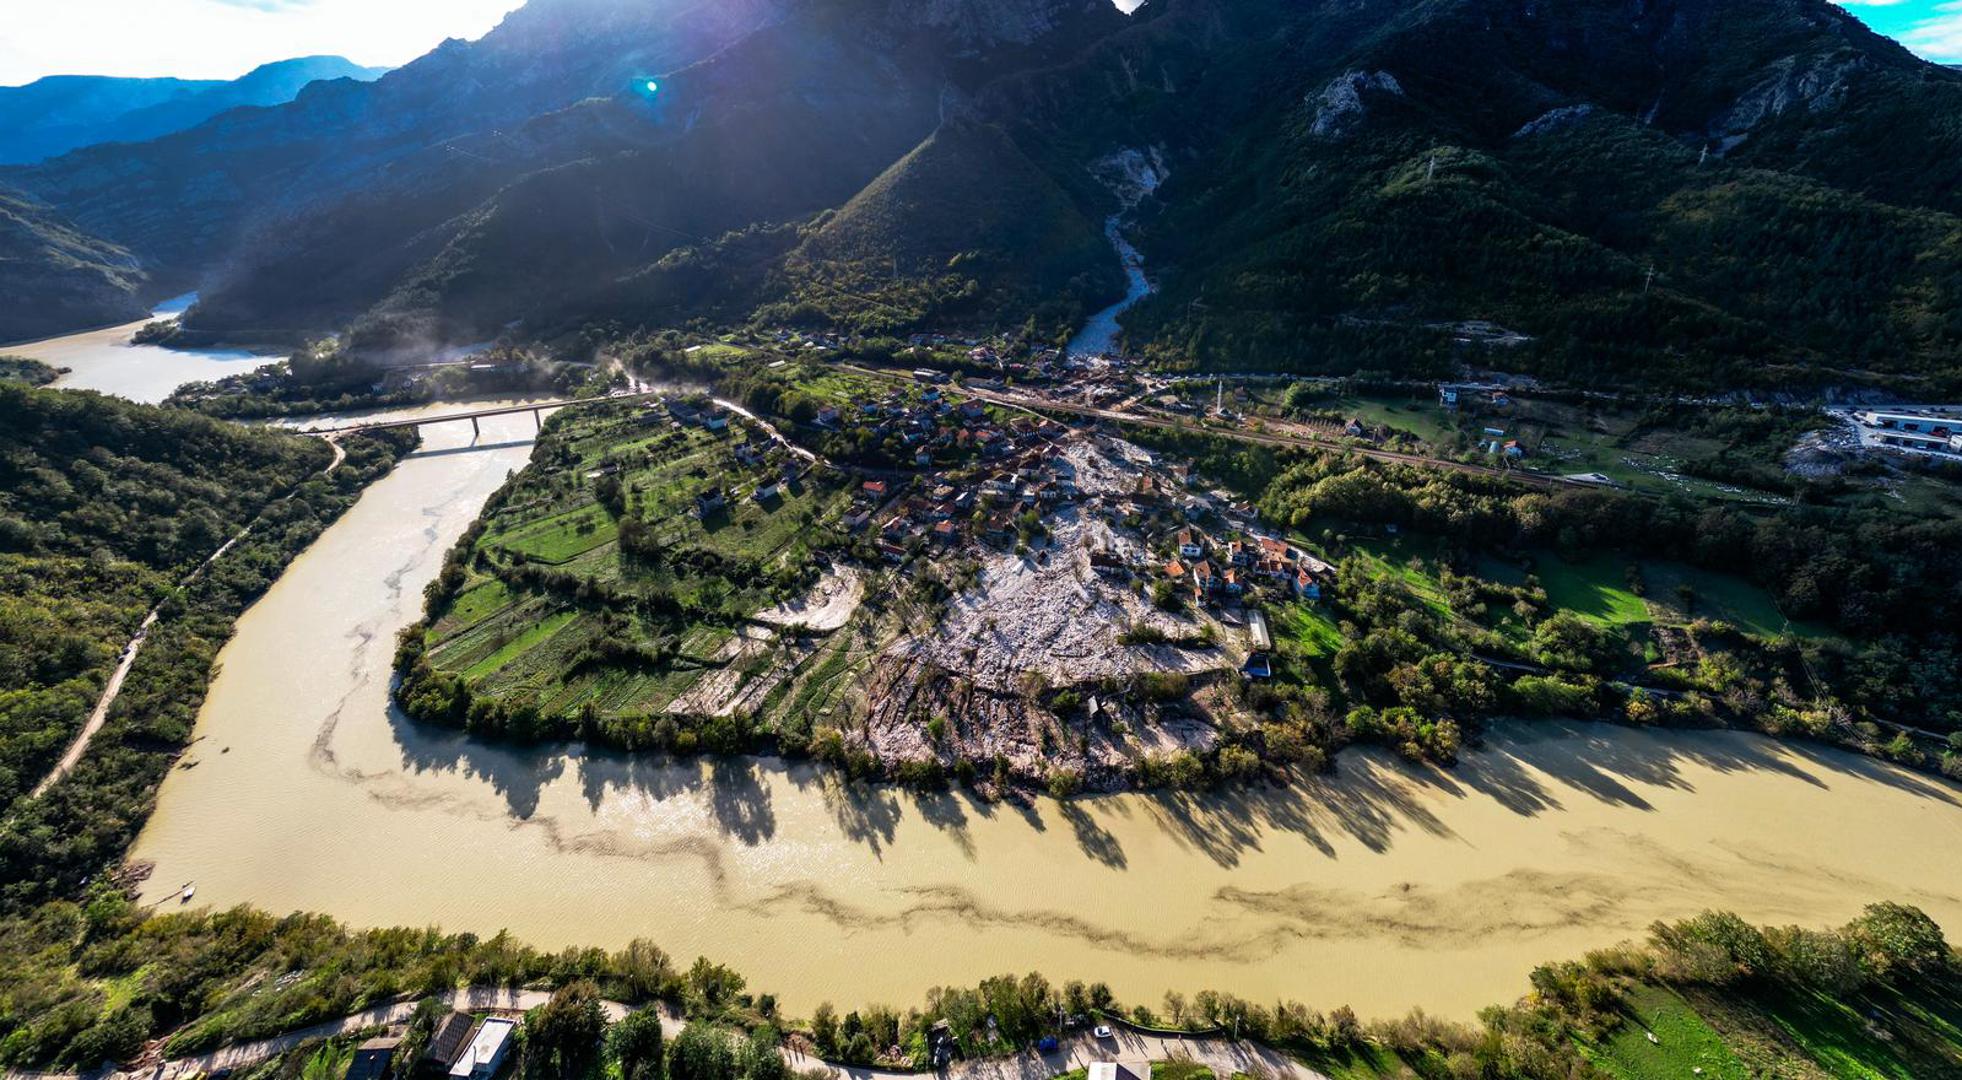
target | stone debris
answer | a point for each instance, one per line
(1048, 612)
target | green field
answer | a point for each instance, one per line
(1306, 628)
(1397, 558)
(1684, 1043)
(1596, 588)
(631, 632)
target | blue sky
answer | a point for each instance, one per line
(1932, 28)
(225, 38)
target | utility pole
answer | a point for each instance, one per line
(1431, 173)
(1648, 279)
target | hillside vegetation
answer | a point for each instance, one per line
(105, 510)
(57, 277)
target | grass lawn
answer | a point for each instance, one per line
(1308, 627)
(1371, 1062)
(1180, 1070)
(1394, 558)
(560, 537)
(1430, 422)
(1684, 1042)
(1719, 596)
(1893, 1038)
(1596, 588)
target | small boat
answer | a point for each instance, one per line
(190, 890)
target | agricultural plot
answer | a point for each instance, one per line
(603, 583)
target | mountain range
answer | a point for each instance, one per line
(51, 116)
(1709, 193)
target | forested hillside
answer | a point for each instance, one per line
(105, 509)
(56, 277)
(1688, 193)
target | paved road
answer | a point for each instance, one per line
(1224, 1056)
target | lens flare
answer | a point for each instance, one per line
(653, 87)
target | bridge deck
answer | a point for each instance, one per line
(478, 414)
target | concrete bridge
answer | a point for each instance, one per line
(535, 408)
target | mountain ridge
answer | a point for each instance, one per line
(1345, 176)
(60, 113)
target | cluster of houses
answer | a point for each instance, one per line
(461, 1047)
(934, 428)
(770, 470)
(1214, 570)
(948, 512)
(1452, 395)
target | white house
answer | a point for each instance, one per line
(485, 1054)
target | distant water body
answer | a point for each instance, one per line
(107, 360)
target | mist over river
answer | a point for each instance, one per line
(1385, 887)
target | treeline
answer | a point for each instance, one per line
(203, 980)
(20, 369)
(323, 378)
(77, 467)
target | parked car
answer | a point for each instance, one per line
(1047, 1045)
(1104, 1032)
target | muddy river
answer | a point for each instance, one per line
(108, 361)
(1384, 888)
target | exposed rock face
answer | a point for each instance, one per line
(1817, 85)
(1344, 102)
(1554, 120)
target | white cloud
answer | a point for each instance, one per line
(224, 38)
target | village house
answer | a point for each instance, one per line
(485, 1054)
(709, 501)
(372, 1058)
(1204, 579)
(1190, 544)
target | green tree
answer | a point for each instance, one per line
(562, 1037)
(702, 1051)
(1899, 942)
(635, 1044)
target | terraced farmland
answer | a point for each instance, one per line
(602, 587)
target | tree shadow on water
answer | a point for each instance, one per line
(517, 774)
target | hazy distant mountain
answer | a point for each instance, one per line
(1695, 191)
(56, 278)
(60, 113)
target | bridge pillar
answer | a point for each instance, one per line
(476, 432)
(537, 421)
